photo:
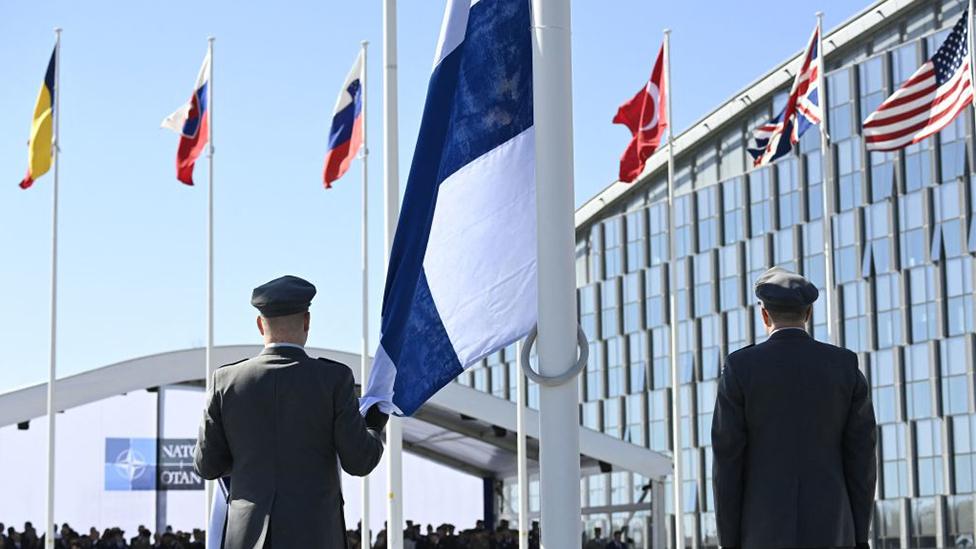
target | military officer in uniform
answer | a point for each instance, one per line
(281, 424)
(793, 434)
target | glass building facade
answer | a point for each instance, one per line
(903, 237)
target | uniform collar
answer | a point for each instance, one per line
(784, 333)
(284, 349)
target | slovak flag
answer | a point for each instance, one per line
(646, 116)
(461, 282)
(346, 135)
(192, 122)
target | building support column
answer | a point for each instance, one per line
(660, 518)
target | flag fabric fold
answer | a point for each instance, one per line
(40, 147)
(646, 116)
(346, 134)
(461, 281)
(929, 100)
(218, 513)
(192, 122)
(776, 138)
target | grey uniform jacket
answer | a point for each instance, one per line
(280, 424)
(794, 437)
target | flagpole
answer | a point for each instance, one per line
(552, 82)
(673, 314)
(523, 465)
(391, 191)
(972, 57)
(52, 367)
(365, 539)
(208, 367)
(827, 179)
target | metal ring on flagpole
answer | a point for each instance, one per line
(555, 381)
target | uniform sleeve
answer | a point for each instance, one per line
(728, 446)
(359, 448)
(860, 459)
(211, 457)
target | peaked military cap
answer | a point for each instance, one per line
(782, 290)
(287, 295)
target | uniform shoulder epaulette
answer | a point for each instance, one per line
(740, 349)
(232, 363)
(330, 361)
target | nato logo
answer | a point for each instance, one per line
(130, 464)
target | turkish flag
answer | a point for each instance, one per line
(646, 115)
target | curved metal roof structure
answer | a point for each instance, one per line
(459, 427)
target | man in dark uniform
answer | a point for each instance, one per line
(281, 424)
(793, 434)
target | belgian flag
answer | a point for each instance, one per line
(40, 147)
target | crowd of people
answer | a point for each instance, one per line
(111, 538)
(447, 536)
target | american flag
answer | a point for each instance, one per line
(929, 100)
(777, 137)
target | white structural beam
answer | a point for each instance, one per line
(177, 367)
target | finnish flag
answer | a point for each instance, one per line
(461, 282)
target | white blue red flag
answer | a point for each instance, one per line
(192, 122)
(461, 282)
(346, 135)
(777, 137)
(929, 100)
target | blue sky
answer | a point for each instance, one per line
(132, 262)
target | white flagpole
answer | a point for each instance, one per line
(391, 191)
(972, 57)
(523, 465)
(52, 370)
(364, 348)
(827, 182)
(557, 327)
(676, 453)
(209, 367)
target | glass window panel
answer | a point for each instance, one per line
(655, 296)
(733, 204)
(613, 247)
(760, 200)
(706, 167)
(704, 284)
(790, 193)
(814, 170)
(708, 218)
(730, 282)
(616, 373)
(661, 357)
(732, 154)
(657, 219)
(684, 225)
(633, 302)
(636, 240)
(610, 307)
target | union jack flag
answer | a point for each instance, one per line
(777, 137)
(929, 100)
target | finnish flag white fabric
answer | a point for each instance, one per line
(218, 514)
(461, 282)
